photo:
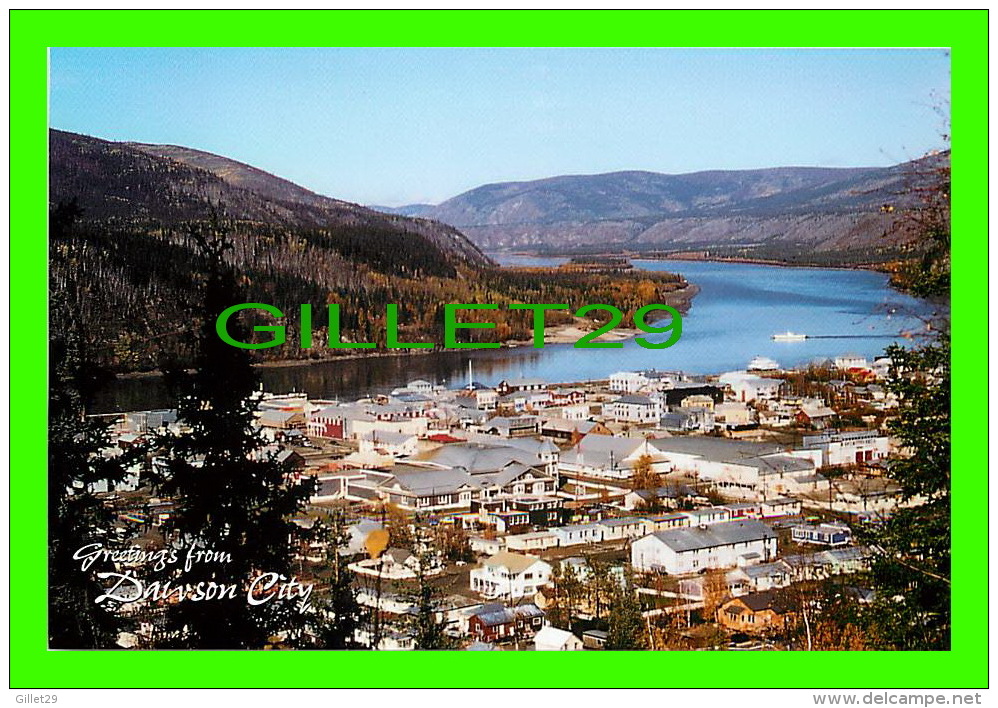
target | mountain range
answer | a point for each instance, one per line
(813, 208)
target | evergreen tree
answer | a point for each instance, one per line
(422, 622)
(77, 516)
(570, 590)
(338, 612)
(626, 629)
(233, 497)
(911, 569)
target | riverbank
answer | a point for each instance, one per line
(875, 267)
(696, 256)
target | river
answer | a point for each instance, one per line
(732, 319)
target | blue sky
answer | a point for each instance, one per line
(396, 126)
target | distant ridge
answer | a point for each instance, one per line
(419, 210)
(818, 208)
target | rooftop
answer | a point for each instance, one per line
(513, 562)
(723, 534)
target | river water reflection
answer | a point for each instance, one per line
(738, 309)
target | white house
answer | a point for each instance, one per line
(480, 397)
(690, 550)
(881, 367)
(420, 386)
(749, 387)
(511, 427)
(575, 534)
(554, 639)
(743, 580)
(780, 507)
(761, 577)
(851, 361)
(485, 546)
(708, 516)
(533, 541)
(622, 528)
(664, 522)
(634, 408)
(510, 576)
(744, 470)
(830, 534)
(357, 424)
(628, 381)
(390, 443)
(849, 448)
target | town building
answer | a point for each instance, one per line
(497, 623)
(634, 408)
(757, 613)
(691, 550)
(847, 448)
(553, 639)
(750, 387)
(510, 576)
(829, 534)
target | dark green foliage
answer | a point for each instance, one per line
(912, 569)
(77, 516)
(912, 566)
(627, 630)
(565, 592)
(232, 496)
(600, 585)
(920, 378)
(390, 251)
(338, 614)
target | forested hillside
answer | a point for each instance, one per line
(123, 258)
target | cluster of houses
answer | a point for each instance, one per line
(528, 470)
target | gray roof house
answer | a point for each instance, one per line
(695, 549)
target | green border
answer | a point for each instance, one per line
(32, 31)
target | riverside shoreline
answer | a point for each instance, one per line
(876, 267)
(696, 257)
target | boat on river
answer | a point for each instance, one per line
(789, 337)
